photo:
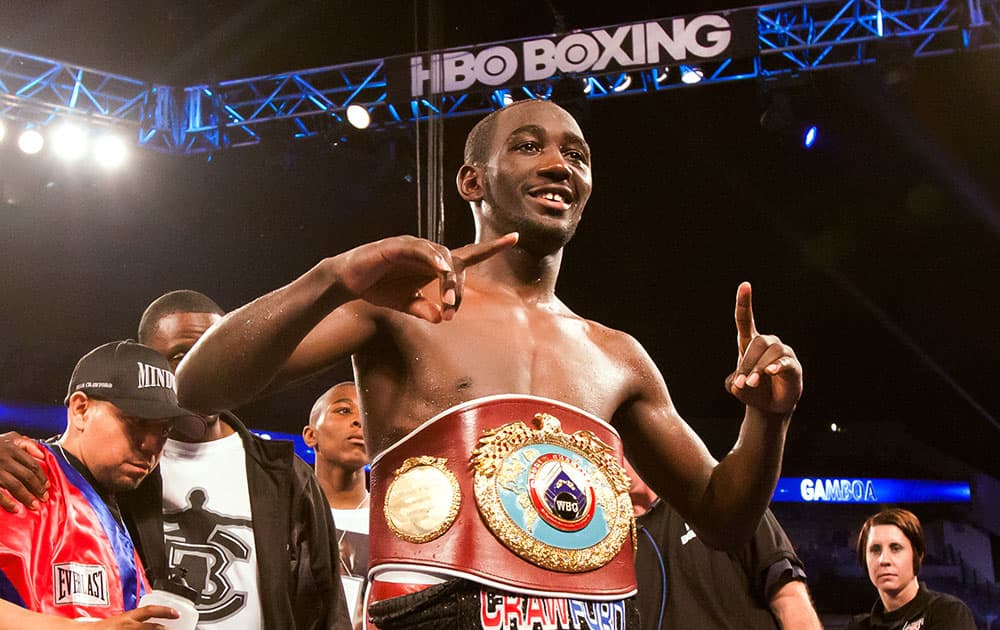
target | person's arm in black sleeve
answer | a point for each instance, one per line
(319, 598)
(778, 576)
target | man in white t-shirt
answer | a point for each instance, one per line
(335, 433)
(257, 542)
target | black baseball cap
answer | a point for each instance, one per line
(136, 379)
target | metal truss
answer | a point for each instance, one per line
(35, 90)
(793, 38)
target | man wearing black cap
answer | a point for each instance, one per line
(257, 543)
(72, 557)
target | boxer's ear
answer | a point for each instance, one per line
(470, 183)
(309, 436)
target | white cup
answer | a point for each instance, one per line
(189, 614)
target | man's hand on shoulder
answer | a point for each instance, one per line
(392, 273)
(22, 480)
(768, 375)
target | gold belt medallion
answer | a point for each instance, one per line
(423, 499)
(558, 500)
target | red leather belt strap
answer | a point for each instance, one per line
(468, 548)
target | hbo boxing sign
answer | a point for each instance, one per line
(630, 46)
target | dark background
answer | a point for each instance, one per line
(875, 254)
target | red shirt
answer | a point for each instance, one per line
(71, 557)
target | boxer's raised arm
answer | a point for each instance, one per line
(723, 501)
(312, 322)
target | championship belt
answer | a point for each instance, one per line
(519, 493)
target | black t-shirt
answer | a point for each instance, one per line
(700, 588)
(927, 611)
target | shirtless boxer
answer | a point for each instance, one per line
(478, 333)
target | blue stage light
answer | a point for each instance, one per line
(691, 75)
(810, 136)
(622, 82)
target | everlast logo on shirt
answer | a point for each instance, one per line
(151, 376)
(85, 584)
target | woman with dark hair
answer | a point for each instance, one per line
(891, 548)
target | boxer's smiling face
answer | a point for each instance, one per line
(537, 179)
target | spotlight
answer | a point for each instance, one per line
(691, 75)
(810, 136)
(661, 75)
(69, 141)
(358, 116)
(3, 130)
(30, 141)
(502, 97)
(622, 83)
(789, 115)
(109, 151)
(541, 92)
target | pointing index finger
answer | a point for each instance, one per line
(745, 328)
(478, 252)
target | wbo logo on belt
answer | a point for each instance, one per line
(561, 492)
(558, 500)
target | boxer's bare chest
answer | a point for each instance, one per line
(491, 347)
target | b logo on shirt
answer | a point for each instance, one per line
(84, 584)
(203, 548)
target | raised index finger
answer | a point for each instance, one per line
(745, 328)
(478, 252)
